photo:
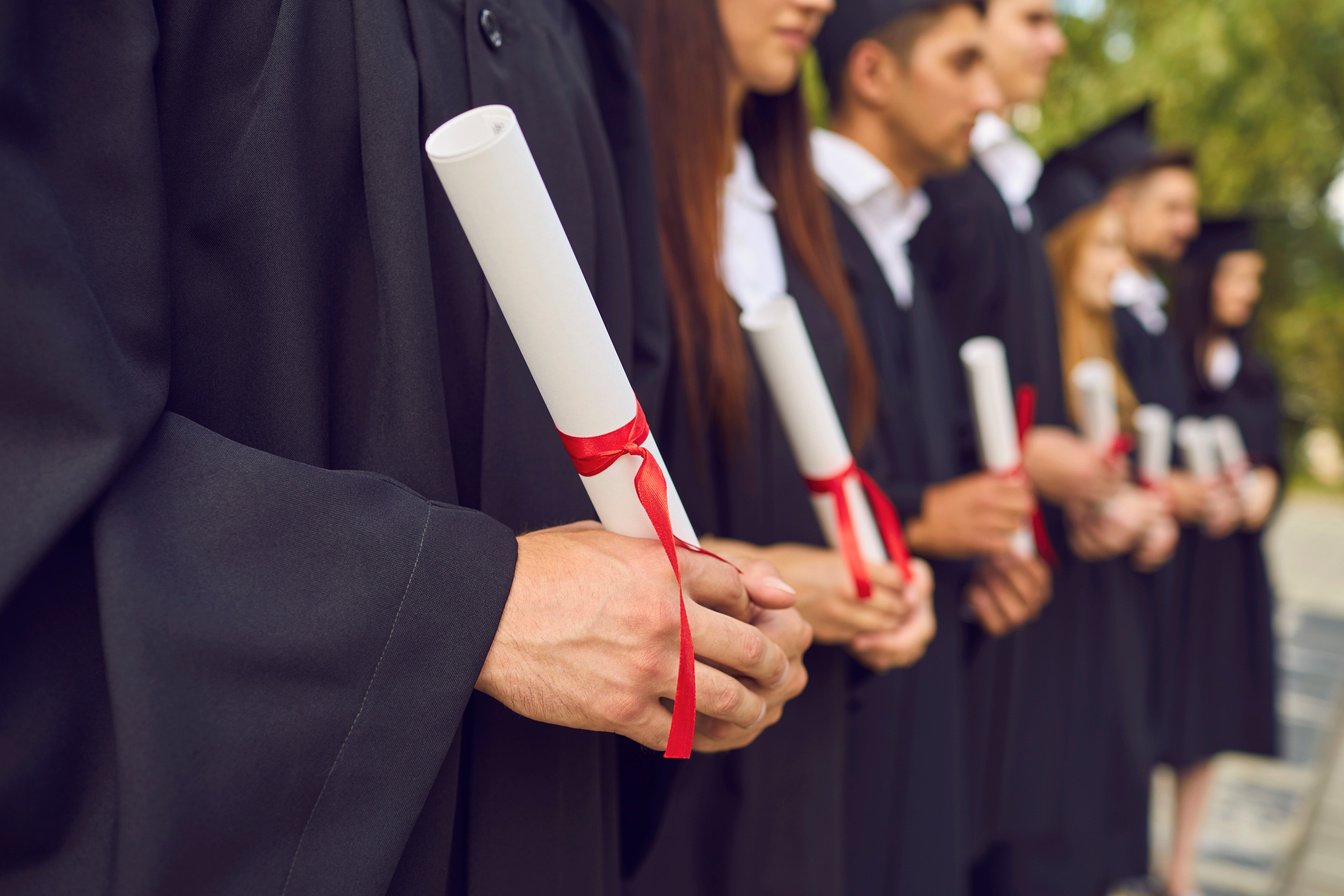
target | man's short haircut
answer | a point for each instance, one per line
(899, 37)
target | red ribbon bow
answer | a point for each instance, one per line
(888, 524)
(593, 454)
(1026, 413)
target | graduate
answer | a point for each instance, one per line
(744, 220)
(906, 80)
(266, 623)
(981, 250)
(1156, 195)
(1113, 729)
(1223, 674)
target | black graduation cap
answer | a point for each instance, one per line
(853, 20)
(1222, 236)
(1125, 147)
(1066, 186)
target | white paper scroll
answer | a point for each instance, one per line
(1153, 424)
(995, 418)
(497, 193)
(1231, 448)
(1199, 450)
(779, 338)
(1093, 385)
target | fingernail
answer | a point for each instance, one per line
(784, 676)
(778, 584)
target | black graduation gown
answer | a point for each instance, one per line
(229, 276)
(1061, 704)
(766, 820)
(1222, 680)
(905, 813)
(1152, 364)
(991, 279)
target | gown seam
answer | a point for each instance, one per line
(424, 531)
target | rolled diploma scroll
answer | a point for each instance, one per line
(794, 378)
(1153, 423)
(995, 422)
(1198, 451)
(1231, 449)
(1093, 384)
(497, 193)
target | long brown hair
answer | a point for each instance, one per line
(685, 66)
(1084, 332)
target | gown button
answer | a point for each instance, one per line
(490, 29)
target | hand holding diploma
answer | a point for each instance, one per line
(527, 259)
(857, 518)
(1199, 452)
(586, 640)
(894, 607)
(1000, 427)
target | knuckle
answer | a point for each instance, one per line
(624, 709)
(753, 647)
(725, 701)
(650, 664)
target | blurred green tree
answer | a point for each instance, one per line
(1257, 89)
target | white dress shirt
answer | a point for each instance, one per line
(1011, 164)
(1142, 294)
(750, 258)
(886, 214)
(1223, 364)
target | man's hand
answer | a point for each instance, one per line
(1065, 468)
(588, 638)
(903, 645)
(826, 596)
(1008, 591)
(1157, 543)
(1222, 509)
(971, 516)
(772, 612)
(1258, 495)
(1189, 497)
(1099, 532)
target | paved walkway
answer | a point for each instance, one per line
(1276, 827)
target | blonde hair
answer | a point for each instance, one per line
(1084, 332)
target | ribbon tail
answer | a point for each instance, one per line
(889, 523)
(849, 542)
(1044, 548)
(651, 487)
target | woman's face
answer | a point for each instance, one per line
(1100, 258)
(767, 39)
(1236, 288)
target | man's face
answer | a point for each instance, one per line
(1022, 41)
(1161, 211)
(933, 99)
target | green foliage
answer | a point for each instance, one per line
(1257, 89)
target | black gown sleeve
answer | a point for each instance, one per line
(228, 671)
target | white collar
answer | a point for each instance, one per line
(1011, 164)
(1223, 363)
(1144, 295)
(750, 258)
(886, 214)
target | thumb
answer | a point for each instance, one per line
(765, 588)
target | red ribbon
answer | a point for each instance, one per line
(1026, 413)
(888, 524)
(593, 454)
